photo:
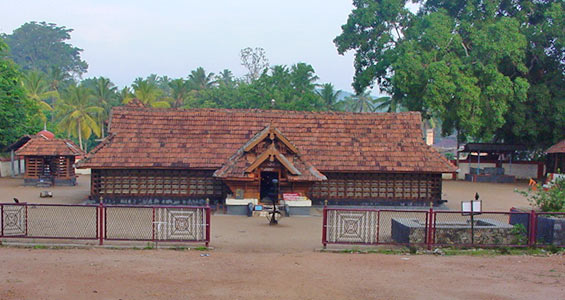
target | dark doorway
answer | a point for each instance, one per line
(269, 188)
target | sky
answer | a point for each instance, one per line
(124, 39)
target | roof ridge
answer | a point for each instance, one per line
(258, 110)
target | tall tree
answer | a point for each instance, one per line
(180, 90)
(78, 115)
(255, 61)
(41, 46)
(148, 93)
(38, 89)
(360, 103)
(472, 64)
(16, 109)
(125, 95)
(329, 95)
(225, 78)
(387, 104)
(103, 95)
(199, 80)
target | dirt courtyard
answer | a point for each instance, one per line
(252, 260)
(168, 274)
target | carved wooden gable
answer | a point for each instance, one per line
(269, 149)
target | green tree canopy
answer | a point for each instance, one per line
(491, 70)
(42, 46)
(16, 109)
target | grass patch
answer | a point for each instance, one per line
(39, 247)
(201, 248)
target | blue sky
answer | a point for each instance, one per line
(123, 40)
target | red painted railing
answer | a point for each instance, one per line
(431, 228)
(105, 222)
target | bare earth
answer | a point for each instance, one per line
(253, 260)
(168, 274)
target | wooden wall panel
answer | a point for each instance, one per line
(388, 187)
(181, 183)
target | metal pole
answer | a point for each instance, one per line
(208, 221)
(472, 225)
(1, 220)
(533, 228)
(324, 223)
(153, 228)
(378, 224)
(429, 228)
(101, 222)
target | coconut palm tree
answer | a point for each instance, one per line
(37, 88)
(125, 95)
(225, 78)
(180, 90)
(329, 95)
(104, 93)
(360, 103)
(78, 115)
(199, 80)
(387, 104)
(148, 93)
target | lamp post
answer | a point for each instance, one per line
(273, 220)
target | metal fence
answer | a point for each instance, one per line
(105, 223)
(429, 228)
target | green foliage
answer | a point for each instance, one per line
(520, 234)
(490, 70)
(78, 115)
(551, 199)
(42, 46)
(16, 109)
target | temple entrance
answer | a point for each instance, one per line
(269, 187)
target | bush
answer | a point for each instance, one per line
(551, 199)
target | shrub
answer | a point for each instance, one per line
(551, 199)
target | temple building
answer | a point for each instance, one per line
(48, 160)
(178, 156)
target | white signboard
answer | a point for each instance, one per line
(476, 205)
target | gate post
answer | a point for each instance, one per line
(207, 222)
(429, 228)
(101, 221)
(324, 223)
(533, 228)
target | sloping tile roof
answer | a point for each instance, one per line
(206, 138)
(236, 165)
(557, 148)
(54, 147)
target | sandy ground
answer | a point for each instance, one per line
(14, 188)
(252, 260)
(495, 196)
(169, 274)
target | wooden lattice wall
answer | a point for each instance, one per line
(156, 183)
(385, 187)
(57, 167)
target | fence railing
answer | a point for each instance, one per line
(105, 222)
(429, 228)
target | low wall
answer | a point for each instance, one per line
(519, 169)
(6, 167)
(486, 232)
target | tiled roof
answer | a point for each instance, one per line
(557, 148)
(206, 138)
(54, 147)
